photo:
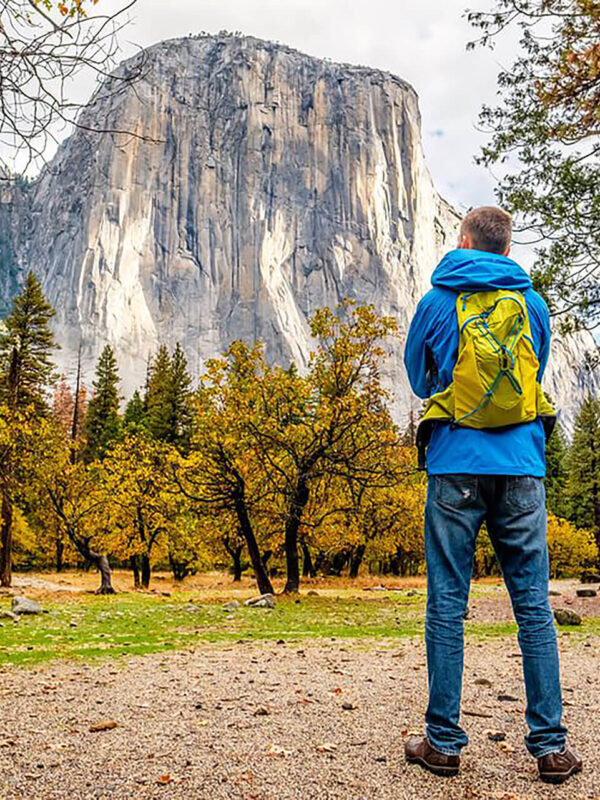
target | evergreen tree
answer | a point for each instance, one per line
(158, 396)
(135, 412)
(102, 421)
(26, 373)
(181, 411)
(584, 468)
(168, 396)
(557, 472)
(26, 369)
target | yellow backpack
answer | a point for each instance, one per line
(494, 382)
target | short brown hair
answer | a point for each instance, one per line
(490, 228)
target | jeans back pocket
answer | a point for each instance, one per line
(455, 491)
(524, 492)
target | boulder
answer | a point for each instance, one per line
(232, 605)
(587, 593)
(263, 601)
(564, 616)
(25, 605)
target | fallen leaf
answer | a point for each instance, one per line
(107, 725)
(506, 747)
(326, 747)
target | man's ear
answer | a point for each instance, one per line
(506, 253)
(465, 242)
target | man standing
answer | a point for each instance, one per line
(477, 348)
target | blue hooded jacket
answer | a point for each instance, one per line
(430, 356)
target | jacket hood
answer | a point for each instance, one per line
(476, 270)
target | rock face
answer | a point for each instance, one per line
(267, 184)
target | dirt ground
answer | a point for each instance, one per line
(268, 721)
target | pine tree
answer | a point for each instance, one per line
(584, 468)
(167, 398)
(135, 412)
(26, 369)
(181, 411)
(158, 396)
(102, 422)
(26, 373)
(557, 472)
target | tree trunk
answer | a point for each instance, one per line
(6, 532)
(236, 555)
(135, 566)
(338, 562)
(145, 570)
(179, 569)
(319, 561)
(356, 560)
(308, 569)
(262, 578)
(101, 563)
(292, 526)
(265, 558)
(60, 549)
(596, 504)
(235, 551)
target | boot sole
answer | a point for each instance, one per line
(443, 772)
(559, 777)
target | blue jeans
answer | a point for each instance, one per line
(514, 509)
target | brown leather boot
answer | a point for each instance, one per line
(419, 751)
(558, 767)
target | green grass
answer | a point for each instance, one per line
(135, 624)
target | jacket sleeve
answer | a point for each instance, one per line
(415, 351)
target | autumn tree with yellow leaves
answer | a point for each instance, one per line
(140, 501)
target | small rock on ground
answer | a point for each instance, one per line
(263, 601)
(587, 593)
(564, 616)
(25, 605)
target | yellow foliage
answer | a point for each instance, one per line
(570, 548)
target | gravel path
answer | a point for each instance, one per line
(267, 721)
